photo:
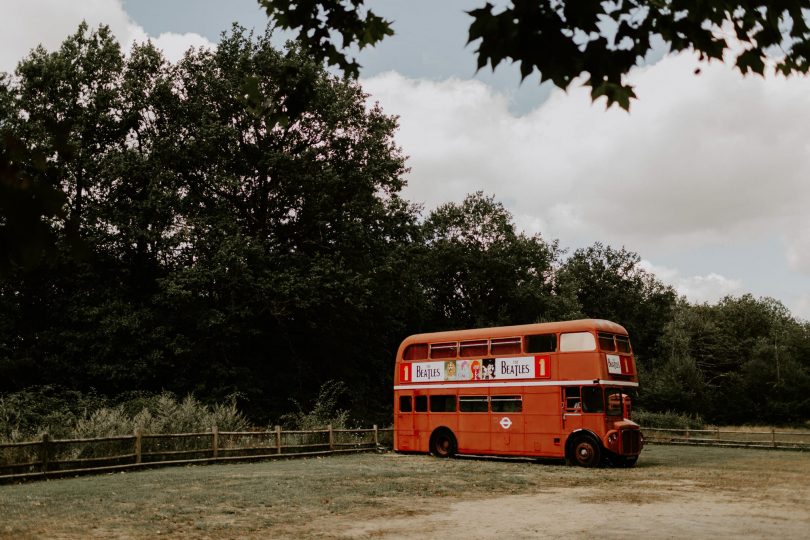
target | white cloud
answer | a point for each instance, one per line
(801, 307)
(28, 23)
(697, 289)
(699, 158)
(798, 245)
(175, 45)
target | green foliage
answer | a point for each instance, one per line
(667, 420)
(325, 410)
(316, 20)
(66, 414)
(46, 409)
(564, 39)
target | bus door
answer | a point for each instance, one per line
(404, 423)
(506, 424)
(571, 409)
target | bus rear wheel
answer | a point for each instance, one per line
(443, 443)
(585, 452)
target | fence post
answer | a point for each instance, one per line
(331, 437)
(43, 453)
(215, 442)
(773, 436)
(138, 441)
(278, 439)
(717, 433)
(687, 434)
(376, 437)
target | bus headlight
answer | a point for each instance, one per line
(612, 438)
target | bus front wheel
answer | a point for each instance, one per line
(443, 443)
(585, 452)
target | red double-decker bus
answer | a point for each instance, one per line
(556, 390)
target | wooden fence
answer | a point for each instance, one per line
(54, 457)
(783, 440)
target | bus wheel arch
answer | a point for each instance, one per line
(583, 449)
(443, 443)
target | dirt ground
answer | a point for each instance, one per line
(667, 512)
(674, 492)
(738, 499)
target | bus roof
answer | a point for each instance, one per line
(517, 330)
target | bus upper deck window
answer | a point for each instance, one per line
(606, 342)
(623, 344)
(444, 350)
(510, 345)
(577, 341)
(474, 348)
(540, 343)
(417, 351)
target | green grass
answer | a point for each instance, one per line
(300, 498)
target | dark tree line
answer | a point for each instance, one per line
(232, 225)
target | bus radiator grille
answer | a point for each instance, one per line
(631, 441)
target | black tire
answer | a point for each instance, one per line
(443, 443)
(586, 452)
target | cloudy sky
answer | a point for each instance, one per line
(706, 178)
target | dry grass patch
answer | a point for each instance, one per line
(326, 497)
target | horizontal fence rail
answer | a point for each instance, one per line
(783, 440)
(61, 457)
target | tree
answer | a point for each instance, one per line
(479, 271)
(565, 39)
(241, 219)
(610, 284)
(742, 360)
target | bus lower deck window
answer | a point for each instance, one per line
(473, 403)
(442, 403)
(420, 403)
(573, 399)
(405, 404)
(592, 400)
(507, 404)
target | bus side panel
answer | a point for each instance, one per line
(541, 406)
(421, 426)
(473, 427)
(508, 429)
(403, 426)
(580, 366)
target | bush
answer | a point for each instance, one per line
(667, 420)
(68, 414)
(325, 411)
